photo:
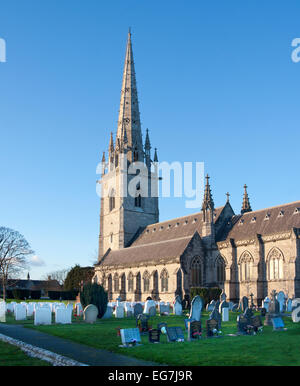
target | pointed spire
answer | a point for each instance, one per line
(155, 155)
(228, 195)
(129, 114)
(111, 144)
(103, 157)
(246, 207)
(147, 141)
(208, 202)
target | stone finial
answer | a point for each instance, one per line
(208, 202)
(246, 207)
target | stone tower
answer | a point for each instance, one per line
(129, 183)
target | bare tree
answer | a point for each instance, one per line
(59, 275)
(14, 250)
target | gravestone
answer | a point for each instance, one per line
(10, 307)
(266, 303)
(235, 308)
(130, 336)
(148, 305)
(211, 327)
(177, 306)
(142, 323)
(90, 313)
(108, 313)
(277, 323)
(119, 311)
(29, 309)
(281, 300)
(289, 305)
(223, 296)
(196, 308)
(225, 314)
(154, 335)
(248, 324)
(273, 310)
(137, 309)
(63, 315)
(152, 311)
(164, 308)
(217, 316)
(244, 303)
(222, 305)
(174, 334)
(2, 312)
(210, 306)
(128, 310)
(20, 312)
(43, 316)
(194, 330)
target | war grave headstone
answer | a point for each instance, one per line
(90, 313)
(63, 315)
(30, 309)
(154, 335)
(225, 314)
(175, 334)
(164, 309)
(20, 312)
(119, 311)
(43, 316)
(128, 308)
(130, 337)
(10, 307)
(142, 323)
(2, 312)
(137, 309)
(194, 330)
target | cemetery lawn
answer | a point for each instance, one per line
(279, 348)
(13, 356)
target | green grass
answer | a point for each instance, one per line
(265, 349)
(13, 356)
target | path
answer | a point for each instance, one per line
(79, 352)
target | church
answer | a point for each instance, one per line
(251, 252)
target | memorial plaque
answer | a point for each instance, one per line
(130, 336)
(278, 324)
(174, 334)
(194, 330)
(154, 335)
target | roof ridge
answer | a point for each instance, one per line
(271, 207)
(154, 243)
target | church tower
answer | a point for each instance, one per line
(129, 186)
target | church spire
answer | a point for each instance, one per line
(246, 202)
(129, 123)
(208, 202)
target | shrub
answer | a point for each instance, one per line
(54, 295)
(207, 294)
(94, 293)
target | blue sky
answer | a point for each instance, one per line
(216, 84)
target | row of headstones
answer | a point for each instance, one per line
(128, 309)
(42, 312)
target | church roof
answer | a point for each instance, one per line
(267, 221)
(160, 242)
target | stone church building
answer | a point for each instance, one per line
(249, 252)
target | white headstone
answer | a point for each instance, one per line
(20, 312)
(148, 305)
(177, 308)
(90, 313)
(2, 312)
(225, 314)
(119, 311)
(108, 313)
(29, 309)
(266, 303)
(63, 315)
(42, 315)
(281, 301)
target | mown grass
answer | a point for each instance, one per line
(13, 356)
(265, 349)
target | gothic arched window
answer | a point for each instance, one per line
(109, 286)
(123, 283)
(116, 282)
(130, 282)
(146, 278)
(112, 200)
(138, 283)
(275, 262)
(196, 272)
(220, 266)
(246, 263)
(164, 280)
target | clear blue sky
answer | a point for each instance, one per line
(216, 83)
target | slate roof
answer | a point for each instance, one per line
(267, 221)
(160, 242)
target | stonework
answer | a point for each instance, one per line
(139, 257)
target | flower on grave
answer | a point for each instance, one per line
(118, 331)
(163, 330)
(133, 342)
(197, 334)
(219, 332)
(214, 330)
(180, 340)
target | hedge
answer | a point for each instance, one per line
(207, 294)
